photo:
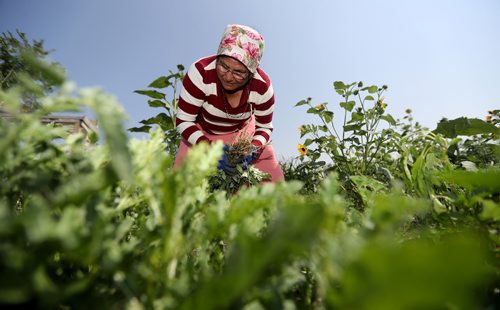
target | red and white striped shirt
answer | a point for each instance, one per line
(201, 102)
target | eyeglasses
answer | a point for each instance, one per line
(238, 75)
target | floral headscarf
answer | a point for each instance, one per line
(244, 44)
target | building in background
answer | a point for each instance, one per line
(74, 124)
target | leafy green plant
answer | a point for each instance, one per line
(359, 145)
(23, 64)
(480, 148)
(310, 173)
(165, 120)
(112, 225)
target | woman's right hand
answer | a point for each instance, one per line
(225, 165)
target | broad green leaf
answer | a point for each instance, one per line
(368, 97)
(160, 82)
(301, 102)
(355, 117)
(388, 118)
(151, 93)
(464, 127)
(162, 119)
(339, 85)
(156, 103)
(313, 111)
(352, 127)
(367, 186)
(372, 89)
(140, 129)
(328, 116)
(483, 179)
(348, 105)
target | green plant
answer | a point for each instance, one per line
(112, 225)
(310, 173)
(360, 145)
(480, 148)
(165, 120)
(23, 64)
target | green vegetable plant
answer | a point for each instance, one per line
(310, 173)
(112, 225)
(160, 99)
(361, 146)
(473, 141)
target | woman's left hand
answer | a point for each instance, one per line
(248, 160)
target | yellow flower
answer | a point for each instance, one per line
(381, 103)
(320, 107)
(302, 149)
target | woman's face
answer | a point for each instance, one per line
(231, 73)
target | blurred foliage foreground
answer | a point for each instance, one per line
(113, 226)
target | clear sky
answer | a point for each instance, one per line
(441, 58)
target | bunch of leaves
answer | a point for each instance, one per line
(123, 235)
(165, 120)
(424, 155)
(60, 229)
(310, 173)
(245, 175)
(362, 256)
(114, 226)
(23, 63)
(83, 227)
(360, 144)
(474, 142)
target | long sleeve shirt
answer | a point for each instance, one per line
(202, 102)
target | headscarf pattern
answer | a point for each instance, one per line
(244, 44)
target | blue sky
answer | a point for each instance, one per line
(439, 57)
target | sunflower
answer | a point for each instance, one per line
(382, 105)
(302, 149)
(320, 107)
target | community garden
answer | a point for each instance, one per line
(375, 212)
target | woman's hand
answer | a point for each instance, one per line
(225, 164)
(248, 160)
(230, 167)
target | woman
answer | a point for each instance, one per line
(226, 95)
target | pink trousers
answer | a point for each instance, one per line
(267, 161)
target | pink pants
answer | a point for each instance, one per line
(267, 161)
